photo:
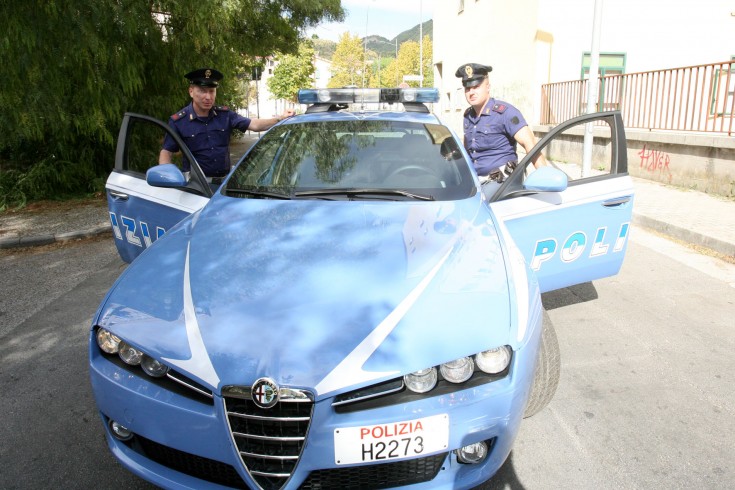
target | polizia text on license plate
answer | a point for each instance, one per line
(390, 441)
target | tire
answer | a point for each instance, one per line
(548, 370)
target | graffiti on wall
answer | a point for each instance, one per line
(655, 161)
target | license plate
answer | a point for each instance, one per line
(395, 440)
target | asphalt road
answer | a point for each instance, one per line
(646, 399)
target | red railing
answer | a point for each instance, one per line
(693, 98)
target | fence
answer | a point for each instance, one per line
(693, 98)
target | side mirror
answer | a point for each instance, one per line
(165, 175)
(546, 179)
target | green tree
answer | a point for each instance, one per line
(407, 63)
(292, 73)
(347, 62)
(73, 67)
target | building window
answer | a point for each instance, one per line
(723, 90)
(609, 64)
(458, 99)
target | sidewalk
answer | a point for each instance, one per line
(689, 216)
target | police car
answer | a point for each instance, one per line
(348, 309)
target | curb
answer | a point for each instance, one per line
(39, 240)
(685, 235)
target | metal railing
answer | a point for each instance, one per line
(693, 98)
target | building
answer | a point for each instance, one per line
(532, 42)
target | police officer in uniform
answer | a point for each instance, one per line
(492, 128)
(206, 128)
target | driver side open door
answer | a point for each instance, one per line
(139, 213)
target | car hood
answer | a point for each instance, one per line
(323, 295)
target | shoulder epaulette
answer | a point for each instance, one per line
(499, 108)
(467, 111)
(222, 108)
(178, 115)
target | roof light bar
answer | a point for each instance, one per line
(365, 95)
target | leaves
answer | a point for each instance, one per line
(292, 73)
(347, 62)
(75, 66)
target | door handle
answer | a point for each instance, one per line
(616, 202)
(119, 196)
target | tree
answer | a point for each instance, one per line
(292, 73)
(73, 67)
(408, 63)
(347, 62)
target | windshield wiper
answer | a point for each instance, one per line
(362, 192)
(258, 193)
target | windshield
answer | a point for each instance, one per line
(355, 160)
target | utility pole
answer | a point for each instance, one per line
(421, 43)
(592, 89)
(364, 45)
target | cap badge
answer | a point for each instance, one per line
(207, 73)
(468, 70)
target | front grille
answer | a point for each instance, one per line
(269, 440)
(377, 476)
(189, 464)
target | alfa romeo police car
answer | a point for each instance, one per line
(348, 309)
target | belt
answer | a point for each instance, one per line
(501, 173)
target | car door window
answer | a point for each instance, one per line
(565, 151)
(144, 142)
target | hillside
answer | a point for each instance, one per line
(385, 47)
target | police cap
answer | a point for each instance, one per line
(204, 77)
(472, 74)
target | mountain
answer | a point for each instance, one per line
(384, 47)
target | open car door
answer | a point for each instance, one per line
(139, 212)
(571, 228)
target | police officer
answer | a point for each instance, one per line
(492, 128)
(206, 128)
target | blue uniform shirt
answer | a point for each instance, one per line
(488, 137)
(208, 138)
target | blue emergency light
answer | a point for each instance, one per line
(368, 95)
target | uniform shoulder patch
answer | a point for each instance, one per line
(499, 108)
(222, 108)
(178, 115)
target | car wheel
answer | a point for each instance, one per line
(548, 370)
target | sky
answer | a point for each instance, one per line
(386, 18)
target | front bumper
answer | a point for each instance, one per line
(182, 442)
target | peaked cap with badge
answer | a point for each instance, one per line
(204, 77)
(472, 74)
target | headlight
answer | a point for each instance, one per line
(107, 342)
(458, 371)
(129, 354)
(153, 367)
(421, 381)
(493, 361)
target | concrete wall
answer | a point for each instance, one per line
(692, 161)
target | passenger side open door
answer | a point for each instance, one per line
(575, 231)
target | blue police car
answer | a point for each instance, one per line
(348, 309)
